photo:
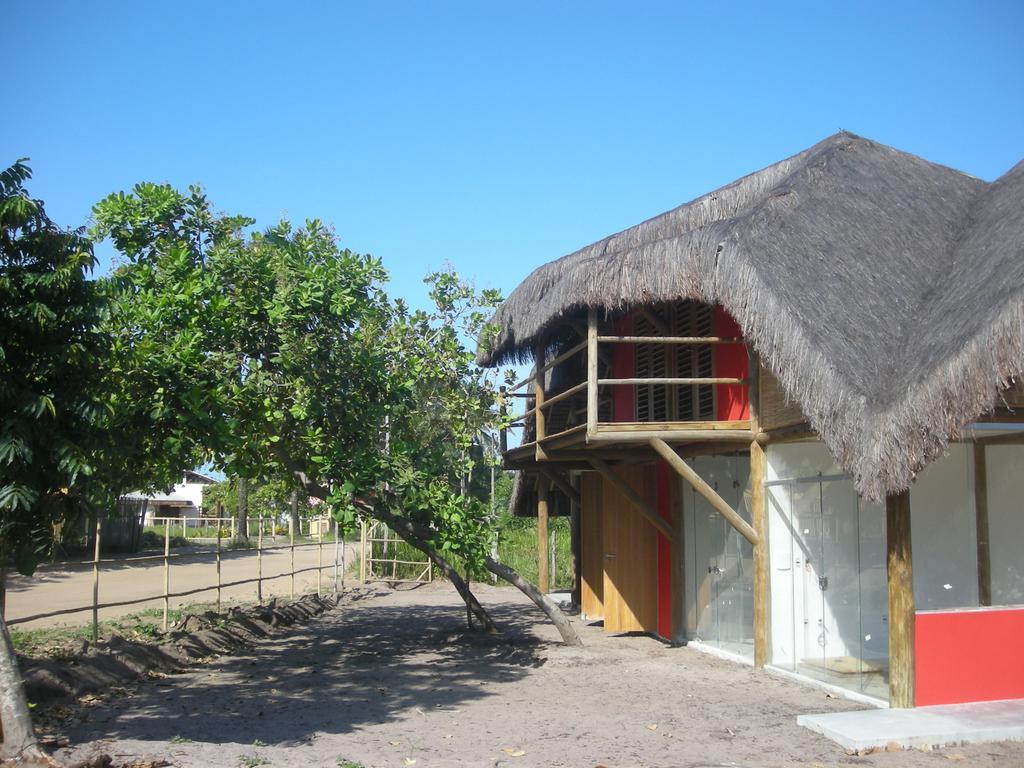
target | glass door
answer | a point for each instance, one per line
(828, 571)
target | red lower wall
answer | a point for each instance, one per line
(971, 655)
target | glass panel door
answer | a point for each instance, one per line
(839, 581)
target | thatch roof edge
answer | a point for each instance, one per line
(882, 443)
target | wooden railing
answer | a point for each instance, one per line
(533, 388)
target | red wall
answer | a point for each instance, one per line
(623, 367)
(730, 362)
(973, 655)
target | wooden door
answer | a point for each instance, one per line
(630, 556)
(591, 547)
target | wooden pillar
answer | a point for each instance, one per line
(678, 566)
(759, 517)
(542, 535)
(981, 522)
(538, 392)
(575, 544)
(592, 401)
(899, 565)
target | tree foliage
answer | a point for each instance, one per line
(279, 355)
(268, 499)
(55, 429)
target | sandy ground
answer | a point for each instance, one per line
(56, 587)
(392, 679)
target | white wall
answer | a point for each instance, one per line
(790, 460)
(1005, 469)
(943, 534)
(844, 541)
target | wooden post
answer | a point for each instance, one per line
(96, 583)
(220, 509)
(167, 570)
(539, 419)
(678, 566)
(759, 518)
(543, 584)
(494, 518)
(291, 552)
(575, 545)
(362, 551)
(259, 561)
(503, 412)
(981, 521)
(899, 565)
(336, 545)
(591, 372)
(552, 569)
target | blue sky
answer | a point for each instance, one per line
(492, 137)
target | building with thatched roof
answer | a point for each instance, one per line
(783, 419)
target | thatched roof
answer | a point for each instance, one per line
(884, 291)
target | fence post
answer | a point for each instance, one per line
(291, 539)
(362, 551)
(259, 561)
(551, 550)
(218, 560)
(167, 570)
(96, 581)
(336, 545)
(319, 554)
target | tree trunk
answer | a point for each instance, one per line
(542, 601)
(19, 740)
(242, 511)
(296, 530)
(408, 531)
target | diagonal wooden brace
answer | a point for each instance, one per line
(561, 483)
(635, 499)
(721, 506)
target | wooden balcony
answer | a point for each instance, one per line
(565, 410)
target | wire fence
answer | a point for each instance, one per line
(266, 528)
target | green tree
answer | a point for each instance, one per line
(54, 421)
(267, 499)
(292, 363)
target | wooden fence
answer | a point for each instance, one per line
(168, 558)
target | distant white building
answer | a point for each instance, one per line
(184, 500)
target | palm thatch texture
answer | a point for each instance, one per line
(884, 291)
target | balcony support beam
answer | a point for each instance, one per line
(700, 486)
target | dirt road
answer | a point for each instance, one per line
(69, 586)
(392, 679)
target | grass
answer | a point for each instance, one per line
(517, 548)
(143, 626)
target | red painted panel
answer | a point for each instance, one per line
(730, 362)
(969, 656)
(663, 504)
(623, 367)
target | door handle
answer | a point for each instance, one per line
(823, 583)
(609, 556)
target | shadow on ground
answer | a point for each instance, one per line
(355, 667)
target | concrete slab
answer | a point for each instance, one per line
(949, 724)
